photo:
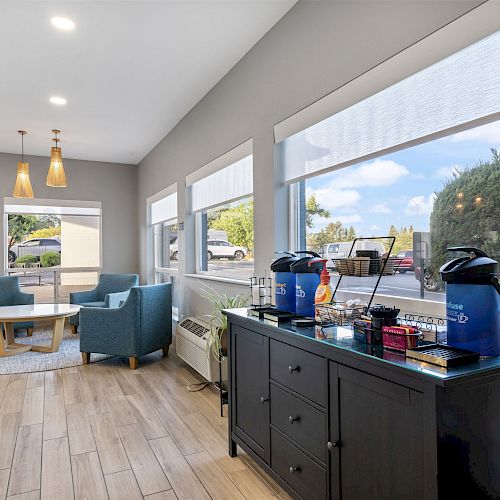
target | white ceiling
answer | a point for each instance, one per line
(129, 71)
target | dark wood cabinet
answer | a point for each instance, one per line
(378, 431)
(336, 419)
(250, 413)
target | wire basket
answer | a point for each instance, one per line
(366, 266)
(337, 313)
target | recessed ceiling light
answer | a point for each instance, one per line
(58, 100)
(63, 23)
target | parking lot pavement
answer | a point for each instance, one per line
(398, 285)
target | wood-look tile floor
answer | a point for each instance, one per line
(103, 431)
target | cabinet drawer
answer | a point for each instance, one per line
(300, 421)
(304, 475)
(301, 371)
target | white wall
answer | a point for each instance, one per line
(316, 48)
(115, 185)
(80, 247)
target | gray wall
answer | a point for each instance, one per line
(317, 47)
(113, 184)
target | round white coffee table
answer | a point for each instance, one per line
(57, 313)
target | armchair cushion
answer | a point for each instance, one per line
(114, 300)
(97, 303)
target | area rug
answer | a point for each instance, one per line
(68, 354)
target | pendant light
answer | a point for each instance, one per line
(22, 188)
(56, 176)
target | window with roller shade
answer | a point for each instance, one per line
(163, 216)
(406, 161)
(53, 246)
(221, 198)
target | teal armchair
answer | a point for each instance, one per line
(110, 291)
(141, 325)
(11, 295)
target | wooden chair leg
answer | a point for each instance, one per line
(74, 329)
(86, 358)
(165, 350)
(133, 361)
(30, 332)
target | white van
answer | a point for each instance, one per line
(341, 250)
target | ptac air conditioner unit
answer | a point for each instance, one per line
(191, 346)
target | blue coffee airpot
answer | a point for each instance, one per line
(473, 302)
(284, 282)
(307, 272)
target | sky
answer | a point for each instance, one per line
(399, 188)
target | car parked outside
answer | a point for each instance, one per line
(219, 249)
(36, 247)
(216, 249)
(431, 284)
(406, 262)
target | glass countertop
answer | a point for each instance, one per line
(342, 338)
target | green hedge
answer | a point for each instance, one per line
(467, 212)
(50, 259)
(26, 259)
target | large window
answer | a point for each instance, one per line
(436, 195)
(163, 213)
(223, 205)
(418, 161)
(52, 247)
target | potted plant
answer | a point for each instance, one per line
(217, 340)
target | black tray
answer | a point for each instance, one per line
(442, 355)
(279, 317)
(259, 311)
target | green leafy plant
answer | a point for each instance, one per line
(26, 259)
(50, 259)
(466, 212)
(218, 320)
(19, 226)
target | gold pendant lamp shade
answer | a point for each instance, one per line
(22, 188)
(56, 176)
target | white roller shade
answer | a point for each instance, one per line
(227, 184)
(164, 209)
(461, 89)
(39, 206)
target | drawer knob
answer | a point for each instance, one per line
(292, 369)
(294, 469)
(263, 399)
(293, 419)
(333, 444)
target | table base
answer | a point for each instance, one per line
(9, 347)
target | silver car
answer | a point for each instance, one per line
(36, 247)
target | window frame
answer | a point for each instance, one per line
(171, 272)
(152, 268)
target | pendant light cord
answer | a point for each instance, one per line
(22, 148)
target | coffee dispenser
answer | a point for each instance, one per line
(473, 302)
